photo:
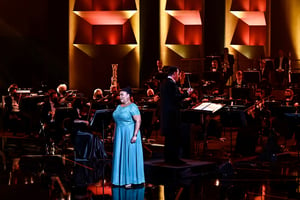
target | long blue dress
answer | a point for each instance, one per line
(127, 160)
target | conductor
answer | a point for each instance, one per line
(171, 97)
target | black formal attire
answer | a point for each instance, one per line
(281, 78)
(229, 71)
(171, 99)
(242, 84)
(14, 119)
(266, 72)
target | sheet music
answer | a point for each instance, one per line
(213, 107)
(207, 106)
(201, 106)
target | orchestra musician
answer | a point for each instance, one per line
(98, 94)
(266, 67)
(99, 100)
(62, 93)
(49, 107)
(15, 118)
(290, 99)
(281, 63)
(239, 82)
(227, 61)
(219, 82)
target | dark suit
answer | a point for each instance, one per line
(281, 78)
(170, 118)
(284, 65)
(229, 71)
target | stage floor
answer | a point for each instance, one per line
(27, 173)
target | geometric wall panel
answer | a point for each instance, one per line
(251, 28)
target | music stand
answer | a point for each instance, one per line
(251, 77)
(212, 76)
(240, 93)
(100, 121)
(206, 108)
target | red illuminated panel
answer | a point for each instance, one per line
(105, 17)
(114, 5)
(252, 18)
(257, 35)
(193, 5)
(83, 5)
(186, 17)
(240, 5)
(128, 34)
(193, 35)
(176, 33)
(175, 5)
(84, 34)
(105, 34)
(248, 5)
(107, 4)
(241, 34)
(258, 5)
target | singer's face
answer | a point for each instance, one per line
(124, 97)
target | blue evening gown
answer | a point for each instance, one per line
(127, 160)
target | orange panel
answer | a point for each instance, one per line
(110, 34)
(257, 35)
(193, 35)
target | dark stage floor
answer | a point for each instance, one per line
(27, 173)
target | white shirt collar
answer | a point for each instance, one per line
(170, 77)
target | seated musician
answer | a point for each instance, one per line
(227, 61)
(219, 83)
(99, 101)
(289, 98)
(14, 118)
(53, 115)
(152, 97)
(113, 97)
(98, 94)
(62, 93)
(49, 107)
(239, 82)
